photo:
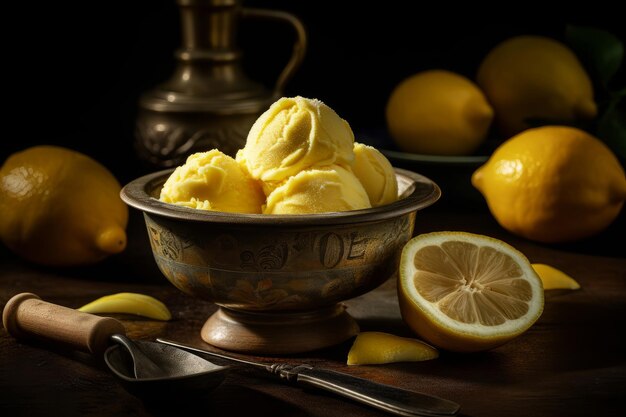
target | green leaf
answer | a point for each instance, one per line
(599, 50)
(612, 130)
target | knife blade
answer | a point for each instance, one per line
(383, 397)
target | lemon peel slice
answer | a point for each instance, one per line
(129, 303)
(373, 348)
(554, 279)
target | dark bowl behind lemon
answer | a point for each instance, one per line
(452, 173)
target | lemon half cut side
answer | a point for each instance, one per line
(466, 292)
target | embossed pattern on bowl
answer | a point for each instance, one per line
(278, 263)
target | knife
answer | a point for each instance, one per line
(383, 397)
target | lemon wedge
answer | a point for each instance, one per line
(373, 348)
(554, 279)
(129, 303)
(466, 292)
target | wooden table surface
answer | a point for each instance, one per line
(570, 363)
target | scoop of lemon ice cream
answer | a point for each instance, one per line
(213, 181)
(293, 135)
(375, 174)
(318, 190)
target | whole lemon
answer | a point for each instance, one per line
(438, 112)
(553, 184)
(535, 77)
(60, 207)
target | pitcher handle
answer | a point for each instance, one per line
(299, 47)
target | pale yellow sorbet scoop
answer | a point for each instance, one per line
(319, 190)
(376, 174)
(213, 181)
(293, 135)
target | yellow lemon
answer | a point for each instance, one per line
(466, 292)
(60, 207)
(535, 77)
(554, 279)
(438, 112)
(553, 184)
(373, 348)
(129, 303)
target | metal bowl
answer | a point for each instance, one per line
(283, 270)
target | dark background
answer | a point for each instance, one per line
(75, 70)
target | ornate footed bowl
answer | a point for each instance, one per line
(278, 279)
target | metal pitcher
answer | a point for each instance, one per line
(209, 102)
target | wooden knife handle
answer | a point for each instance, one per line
(26, 316)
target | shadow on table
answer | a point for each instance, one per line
(229, 399)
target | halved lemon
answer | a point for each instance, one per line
(466, 292)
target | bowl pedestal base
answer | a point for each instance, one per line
(279, 332)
